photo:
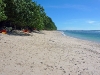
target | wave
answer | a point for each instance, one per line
(62, 32)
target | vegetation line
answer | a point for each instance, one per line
(24, 14)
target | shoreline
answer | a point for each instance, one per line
(50, 53)
(92, 41)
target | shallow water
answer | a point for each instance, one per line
(91, 35)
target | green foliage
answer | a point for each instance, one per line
(26, 14)
(2, 12)
(49, 24)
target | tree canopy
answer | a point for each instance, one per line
(25, 13)
(2, 12)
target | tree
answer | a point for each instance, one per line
(49, 24)
(2, 12)
(26, 14)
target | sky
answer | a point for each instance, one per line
(73, 14)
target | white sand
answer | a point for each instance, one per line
(50, 53)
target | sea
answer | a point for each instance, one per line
(90, 35)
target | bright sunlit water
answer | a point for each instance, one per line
(91, 35)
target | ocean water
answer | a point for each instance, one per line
(90, 35)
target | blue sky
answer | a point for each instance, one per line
(73, 14)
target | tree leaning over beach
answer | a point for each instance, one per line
(26, 14)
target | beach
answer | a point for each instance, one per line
(48, 53)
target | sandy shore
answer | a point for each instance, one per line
(50, 53)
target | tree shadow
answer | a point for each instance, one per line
(18, 33)
(39, 32)
(21, 33)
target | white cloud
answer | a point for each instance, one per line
(91, 22)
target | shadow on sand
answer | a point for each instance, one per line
(21, 33)
(18, 33)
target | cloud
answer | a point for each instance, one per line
(96, 23)
(91, 22)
